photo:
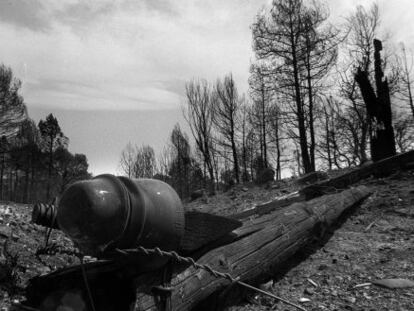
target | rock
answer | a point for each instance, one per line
(322, 267)
(339, 278)
(43, 270)
(304, 300)
(5, 231)
(266, 286)
(245, 189)
(309, 291)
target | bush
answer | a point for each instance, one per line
(197, 194)
(265, 175)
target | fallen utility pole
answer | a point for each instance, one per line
(264, 243)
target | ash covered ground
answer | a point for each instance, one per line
(375, 242)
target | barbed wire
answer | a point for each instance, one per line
(175, 256)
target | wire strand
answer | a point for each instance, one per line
(173, 255)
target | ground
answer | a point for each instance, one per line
(376, 241)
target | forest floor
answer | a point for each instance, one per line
(376, 241)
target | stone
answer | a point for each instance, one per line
(309, 291)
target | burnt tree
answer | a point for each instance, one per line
(378, 108)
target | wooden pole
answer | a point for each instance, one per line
(264, 243)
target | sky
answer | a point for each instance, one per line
(115, 71)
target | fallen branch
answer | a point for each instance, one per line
(267, 207)
(378, 169)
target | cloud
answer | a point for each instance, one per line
(128, 54)
(125, 54)
(80, 15)
(165, 7)
(24, 14)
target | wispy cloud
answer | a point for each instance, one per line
(130, 54)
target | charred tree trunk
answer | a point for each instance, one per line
(379, 109)
(1, 175)
(234, 152)
(10, 184)
(278, 150)
(311, 119)
(49, 172)
(263, 125)
(32, 193)
(307, 165)
(26, 186)
(15, 197)
(327, 139)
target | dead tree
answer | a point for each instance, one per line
(406, 78)
(277, 38)
(199, 116)
(127, 160)
(245, 129)
(363, 28)
(260, 92)
(226, 118)
(378, 108)
(320, 41)
(145, 164)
